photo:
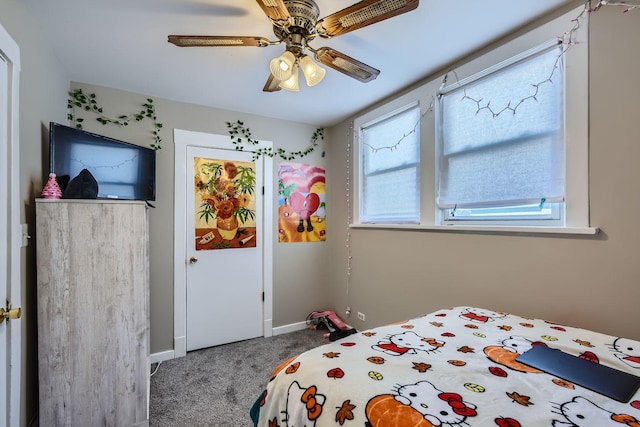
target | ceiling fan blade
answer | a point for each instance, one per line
(346, 64)
(214, 41)
(361, 14)
(272, 84)
(275, 10)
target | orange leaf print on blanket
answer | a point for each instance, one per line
(345, 412)
(281, 366)
(292, 369)
(421, 366)
(520, 399)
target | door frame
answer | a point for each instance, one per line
(182, 139)
(10, 50)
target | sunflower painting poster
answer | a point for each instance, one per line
(225, 204)
(301, 203)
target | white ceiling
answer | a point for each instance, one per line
(123, 44)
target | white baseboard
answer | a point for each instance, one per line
(267, 327)
(279, 330)
(162, 356)
(268, 331)
(180, 346)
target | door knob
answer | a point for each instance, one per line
(10, 314)
(193, 260)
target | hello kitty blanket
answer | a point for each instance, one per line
(454, 367)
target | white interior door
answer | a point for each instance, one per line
(224, 246)
(10, 233)
(223, 275)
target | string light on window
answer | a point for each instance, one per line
(509, 107)
(629, 5)
(406, 135)
(567, 40)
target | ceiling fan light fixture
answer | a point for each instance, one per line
(313, 73)
(296, 23)
(282, 67)
(292, 82)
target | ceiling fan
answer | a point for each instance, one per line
(296, 23)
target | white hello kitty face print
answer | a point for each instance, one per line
(302, 404)
(581, 412)
(479, 315)
(518, 344)
(627, 351)
(407, 343)
(440, 409)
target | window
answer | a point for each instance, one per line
(501, 144)
(491, 171)
(390, 168)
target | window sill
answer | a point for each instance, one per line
(493, 229)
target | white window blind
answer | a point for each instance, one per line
(390, 172)
(504, 158)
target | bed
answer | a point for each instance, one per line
(453, 367)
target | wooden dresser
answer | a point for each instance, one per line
(93, 312)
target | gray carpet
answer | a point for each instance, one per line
(217, 386)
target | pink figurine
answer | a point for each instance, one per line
(51, 189)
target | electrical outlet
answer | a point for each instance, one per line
(361, 316)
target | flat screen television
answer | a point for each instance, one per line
(122, 170)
